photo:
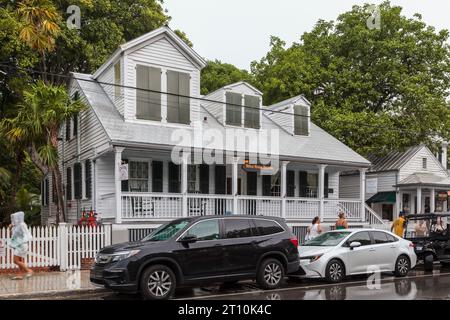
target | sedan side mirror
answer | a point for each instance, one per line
(355, 244)
(188, 239)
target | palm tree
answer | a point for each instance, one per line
(38, 122)
(40, 27)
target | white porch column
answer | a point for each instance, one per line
(283, 185)
(432, 200)
(184, 188)
(419, 200)
(362, 192)
(234, 184)
(320, 192)
(118, 183)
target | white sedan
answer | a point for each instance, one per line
(339, 253)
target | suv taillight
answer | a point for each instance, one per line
(294, 241)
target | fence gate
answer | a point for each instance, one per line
(66, 246)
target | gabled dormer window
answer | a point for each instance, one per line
(148, 99)
(178, 101)
(251, 115)
(233, 109)
(301, 120)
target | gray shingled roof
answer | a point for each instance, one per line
(424, 178)
(393, 161)
(318, 147)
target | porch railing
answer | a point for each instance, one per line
(205, 205)
(254, 205)
(151, 205)
(303, 208)
(351, 208)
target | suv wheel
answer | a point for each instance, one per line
(428, 262)
(335, 271)
(402, 266)
(270, 274)
(158, 282)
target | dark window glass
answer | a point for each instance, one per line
(47, 193)
(237, 228)
(178, 103)
(379, 237)
(301, 120)
(290, 183)
(220, 175)
(167, 231)
(75, 125)
(205, 230)
(266, 227)
(204, 178)
(251, 115)
(391, 238)
(68, 129)
(362, 237)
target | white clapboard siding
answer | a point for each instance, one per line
(415, 165)
(64, 246)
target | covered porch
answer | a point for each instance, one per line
(157, 189)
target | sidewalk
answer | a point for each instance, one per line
(46, 284)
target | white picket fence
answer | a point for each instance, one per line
(65, 246)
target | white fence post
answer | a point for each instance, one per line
(62, 246)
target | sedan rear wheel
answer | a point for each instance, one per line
(402, 266)
(335, 271)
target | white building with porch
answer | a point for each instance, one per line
(415, 179)
(139, 128)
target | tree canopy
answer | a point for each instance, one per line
(374, 89)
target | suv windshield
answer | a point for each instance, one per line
(167, 231)
(328, 239)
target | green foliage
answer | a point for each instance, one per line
(218, 74)
(375, 89)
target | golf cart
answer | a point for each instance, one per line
(430, 234)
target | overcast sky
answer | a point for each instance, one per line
(238, 31)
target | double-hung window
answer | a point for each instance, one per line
(233, 108)
(138, 176)
(178, 101)
(148, 93)
(301, 120)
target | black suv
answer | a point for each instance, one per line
(199, 250)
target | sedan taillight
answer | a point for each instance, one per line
(412, 245)
(294, 241)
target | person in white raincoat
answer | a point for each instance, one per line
(20, 236)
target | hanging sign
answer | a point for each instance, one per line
(123, 171)
(253, 167)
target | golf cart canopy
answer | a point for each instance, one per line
(427, 216)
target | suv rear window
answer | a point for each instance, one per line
(266, 227)
(237, 228)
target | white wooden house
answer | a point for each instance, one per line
(415, 179)
(137, 127)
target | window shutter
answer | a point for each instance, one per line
(157, 176)
(184, 103)
(220, 173)
(47, 193)
(67, 129)
(290, 183)
(233, 108)
(252, 179)
(42, 193)
(117, 80)
(75, 125)
(125, 182)
(266, 185)
(54, 195)
(251, 119)
(301, 120)
(148, 104)
(172, 98)
(77, 180)
(204, 179)
(88, 178)
(174, 178)
(325, 186)
(68, 184)
(303, 182)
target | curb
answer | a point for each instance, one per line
(51, 293)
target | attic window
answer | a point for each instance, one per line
(251, 116)
(424, 163)
(301, 120)
(178, 102)
(148, 94)
(117, 80)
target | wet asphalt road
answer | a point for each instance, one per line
(417, 285)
